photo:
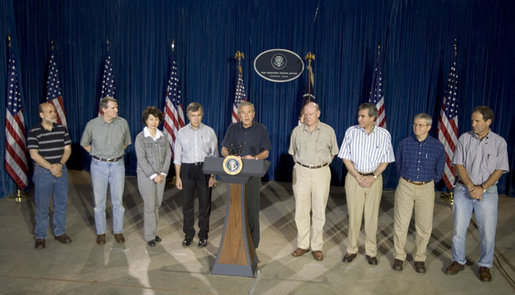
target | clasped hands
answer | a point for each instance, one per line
(476, 192)
(56, 170)
(365, 181)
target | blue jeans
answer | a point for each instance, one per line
(486, 217)
(102, 174)
(45, 186)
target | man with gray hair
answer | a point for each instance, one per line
(366, 151)
(313, 146)
(105, 138)
(420, 161)
(249, 140)
(195, 142)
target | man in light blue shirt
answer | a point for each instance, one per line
(194, 142)
(480, 159)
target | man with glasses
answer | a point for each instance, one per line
(420, 161)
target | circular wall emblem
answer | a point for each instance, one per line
(232, 165)
(278, 65)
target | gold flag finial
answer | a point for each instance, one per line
(173, 45)
(9, 40)
(455, 47)
(52, 44)
(309, 57)
(239, 55)
(378, 49)
(107, 44)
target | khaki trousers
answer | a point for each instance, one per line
(409, 196)
(311, 190)
(363, 200)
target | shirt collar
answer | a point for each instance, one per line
(146, 133)
(199, 127)
(364, 131)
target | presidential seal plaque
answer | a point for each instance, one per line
(232, 165)
(279, 65)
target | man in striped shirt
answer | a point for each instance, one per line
(366, 151)
(49, 146)
(420, 160)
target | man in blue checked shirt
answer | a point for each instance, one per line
(366, 151)
(420, 161)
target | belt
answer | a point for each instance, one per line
(416, 182)
(366, 174)
(196, 163)
(108, 160)
(313, 166)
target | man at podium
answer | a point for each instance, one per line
(249, 140)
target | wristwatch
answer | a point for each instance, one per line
(484, 190)
(375, 176)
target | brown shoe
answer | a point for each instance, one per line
(484, 274)
(454, 268)
(64, 239)
(397, 264)
(119, 238)
(318, 255)
(349, 257)
(40, 244)
(101, 239)
(420, 266)
(299, 252)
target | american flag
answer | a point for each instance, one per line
(239, 96)
(15, 146)
(108, 88)
(53, 90)
(448, 125)
(174, 114)
(376, 96)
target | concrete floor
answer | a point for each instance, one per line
(83, 267)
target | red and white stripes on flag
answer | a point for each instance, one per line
(15, 145)
(448, 125)
(173, 111)
(376, 96)
(53, 90)
(239, 96)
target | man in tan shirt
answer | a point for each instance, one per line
(313, 146)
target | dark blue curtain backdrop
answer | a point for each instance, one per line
(416, 46)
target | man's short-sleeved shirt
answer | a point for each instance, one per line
(367, 150)
(481, 157)
(246, 141)
(49, 143)
(313, 148)
(106, 139)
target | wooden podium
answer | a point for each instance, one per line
(236, 254)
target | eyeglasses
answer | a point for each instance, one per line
(420, 125)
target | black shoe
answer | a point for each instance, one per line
(157, 239)
(186, 242)
(202, 243)
(151, 243)
(397, 264)
(349, 257)
(372, 260)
